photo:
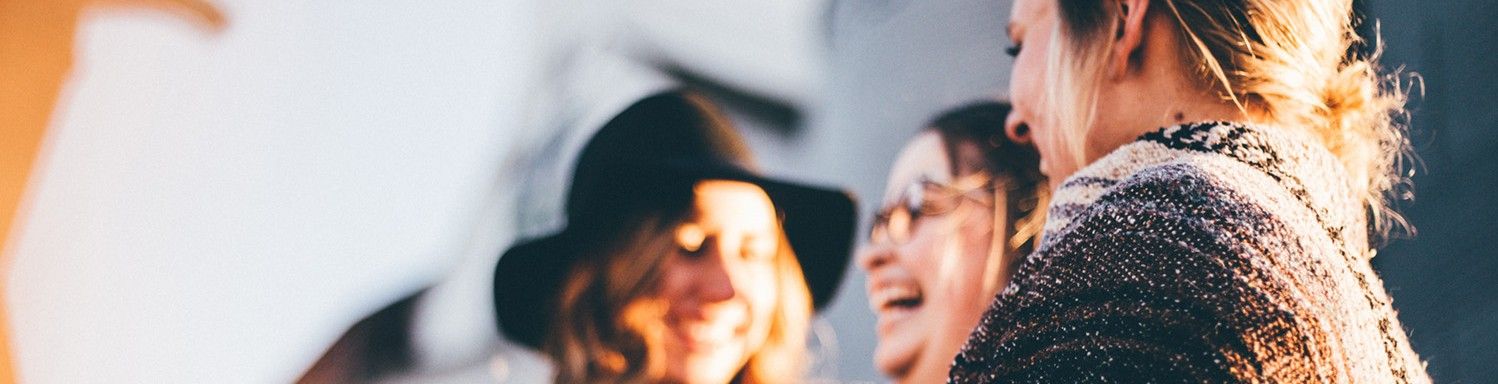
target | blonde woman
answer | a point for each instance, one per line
(1219, 169)
(678, 263)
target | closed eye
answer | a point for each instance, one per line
(1013, 31)
(1012, 50)
(694, 251)
(758, 250)
(691, 240)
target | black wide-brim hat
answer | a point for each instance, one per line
(662, 145)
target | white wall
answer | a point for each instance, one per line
(218, 207)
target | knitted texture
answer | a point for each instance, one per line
(1201, 253)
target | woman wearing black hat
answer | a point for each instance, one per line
(678, 263)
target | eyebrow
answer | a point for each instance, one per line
(1009, 30)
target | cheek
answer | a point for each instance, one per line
(1025, 80)
(951, 263)
(929, 250)
(761, 293)
(1028, 81)
(950, 259)
(1025, 91)
(973, 266)
(1049, 144)
(673, 281)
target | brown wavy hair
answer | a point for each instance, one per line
(1014, 168)
(608, 330)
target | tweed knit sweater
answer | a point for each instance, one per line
(1203, 253)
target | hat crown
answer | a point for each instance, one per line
(623, 157)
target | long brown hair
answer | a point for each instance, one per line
(1289, 63)
(1014, 168)
(608, 330)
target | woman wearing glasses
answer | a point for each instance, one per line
(960, 208)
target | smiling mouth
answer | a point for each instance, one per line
(702, 336)
(896, 298)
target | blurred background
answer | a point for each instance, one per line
(217, 198)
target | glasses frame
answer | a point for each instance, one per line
(897, 221)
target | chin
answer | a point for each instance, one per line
(704, 378)
(895, 364)
(706, 369)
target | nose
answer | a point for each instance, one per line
(872, 256)
(714, 280)
(1016, 129)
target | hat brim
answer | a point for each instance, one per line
(526, 281)
(818, 222)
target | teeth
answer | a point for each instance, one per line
(885, 297)
(710, 332)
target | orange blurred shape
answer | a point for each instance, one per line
(36, 56)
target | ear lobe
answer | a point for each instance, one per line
(1129, 37)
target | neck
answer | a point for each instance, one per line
(1167, 106)
(1211, 109)
(1159, 90)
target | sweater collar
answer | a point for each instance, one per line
(1296, 162)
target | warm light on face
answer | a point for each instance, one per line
(1032, 29)
(720, 285)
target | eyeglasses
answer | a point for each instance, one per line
(895, 223)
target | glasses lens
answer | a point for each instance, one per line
(892, 225)
(915, 199)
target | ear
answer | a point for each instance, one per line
(1130, 34)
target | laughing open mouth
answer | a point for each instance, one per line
(896, 297)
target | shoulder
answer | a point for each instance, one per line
(1168, 274)
(1198, 253)
(1189, 203)
(1185, 230)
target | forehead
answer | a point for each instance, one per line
(925, 156)
(1029, 11)
(732, 203)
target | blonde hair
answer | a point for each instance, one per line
(609, 330)
(1288, 63)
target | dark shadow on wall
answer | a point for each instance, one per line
(1445, 279)
(778, 117)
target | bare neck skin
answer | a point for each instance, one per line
(1148, 86)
